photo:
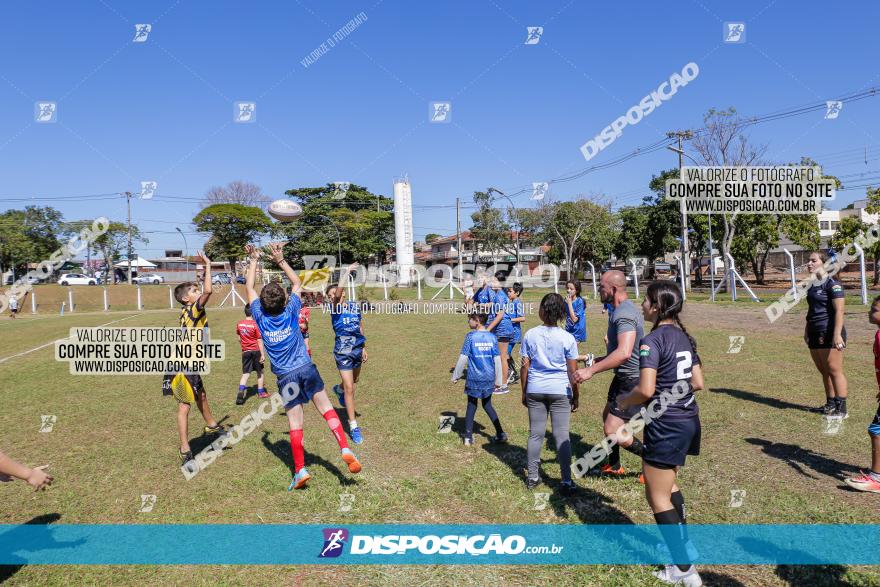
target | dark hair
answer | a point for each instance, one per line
(182, 289)
(553, 308)
(480, 317)
(517, 288)
(247, 310)
(577, 286)
(666, 297)
(272, 298)
(821, 254)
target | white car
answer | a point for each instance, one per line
(148, 278)
(76, 279)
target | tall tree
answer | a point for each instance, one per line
(365, 222)
(583, 229)
(231, 227)
(430, 237)
(236, 192)
(491, 228)
(29, 235)
(722, 142)
(114, 242)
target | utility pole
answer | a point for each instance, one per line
(685, 257)
(128, 201)
(458, 233)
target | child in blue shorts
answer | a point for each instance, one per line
(298, 379)
(349, 350)
(479, 354)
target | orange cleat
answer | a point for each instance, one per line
(354, 465)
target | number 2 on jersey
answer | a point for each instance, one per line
(683, 368)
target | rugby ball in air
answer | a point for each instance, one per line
(285, 210)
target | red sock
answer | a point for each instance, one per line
(296, 447)
(336, 427)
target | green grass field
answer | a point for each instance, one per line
(115, 439)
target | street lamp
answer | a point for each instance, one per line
(185, 247)
(515, 213)
(681, 153)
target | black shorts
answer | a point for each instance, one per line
(250, 361)
(305, 334)
(185, 387)
(504, 338)
(668, 441)
(13, 310)
(823, 337)
(619, 386)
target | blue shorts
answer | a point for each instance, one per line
(668, 441)
(348, 352)
(300, 385)
(874, 426)
(479, 392)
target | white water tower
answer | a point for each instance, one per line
(403, 229)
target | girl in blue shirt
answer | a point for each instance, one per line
(501, 326)
(479, 354)
(575, 315)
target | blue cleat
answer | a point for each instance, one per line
(299, 480)
(339, 394)
(356, 436)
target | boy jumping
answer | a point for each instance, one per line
(188, 387)
(299, 382)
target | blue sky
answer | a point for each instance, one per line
(162, 110)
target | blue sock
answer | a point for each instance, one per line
(241, 388)
(261, 390)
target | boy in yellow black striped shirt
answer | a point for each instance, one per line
(189, 388)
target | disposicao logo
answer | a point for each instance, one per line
(334, 542)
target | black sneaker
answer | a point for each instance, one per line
(499, 438)
(824, 409)
(532, 483)
(239, 399)
(567, 488)
(184, 457)
(838, 413)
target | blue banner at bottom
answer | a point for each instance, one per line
(163, 544)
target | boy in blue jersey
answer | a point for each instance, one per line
(500, 325)
(479, 354)
(350, 351)
(298, 379)
(517, 317)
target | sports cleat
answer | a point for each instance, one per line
(239, 399)
(828, 409)
(532, 483)
(863, 482)
(468, 441)
(501, 390)
(356, 436)
(672, 576)
(837, 414)
(263, 394)
(499, 438)
(299, 480)
(567, 487)
(216, 429)
(354, 465)
(607, 470)
(340, 394)
(184, 457)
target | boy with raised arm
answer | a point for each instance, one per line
(299, 382)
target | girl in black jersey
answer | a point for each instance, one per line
(825, 335)
(669, 367)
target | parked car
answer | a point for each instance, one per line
(76, 279)
(147, 278)
(221, 279)
(240, 279)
